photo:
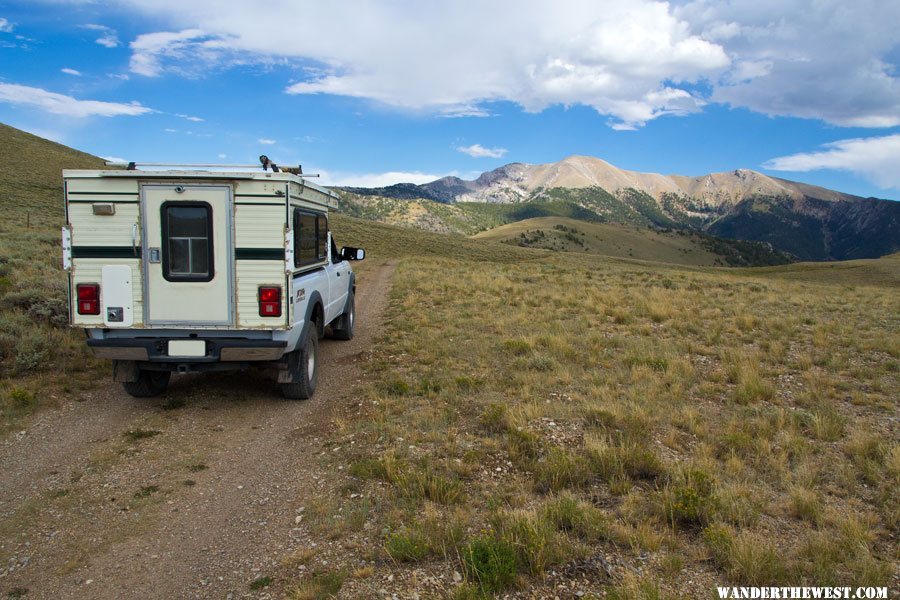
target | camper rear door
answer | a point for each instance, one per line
(187, 254)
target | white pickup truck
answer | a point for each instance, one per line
(195, 270)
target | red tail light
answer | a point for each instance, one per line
(270, 301)
(88, 295)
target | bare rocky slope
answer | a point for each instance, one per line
(808, 221)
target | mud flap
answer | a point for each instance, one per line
(125, 371)
(288, 367)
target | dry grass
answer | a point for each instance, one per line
(691, 422)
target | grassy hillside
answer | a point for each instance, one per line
(549, 224)
(37, 350)
(660, 245)
(464, 217)
(31, 178)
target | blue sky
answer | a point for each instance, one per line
(371, 94)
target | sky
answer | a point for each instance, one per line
(373, 93)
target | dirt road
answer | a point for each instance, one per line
(193, 495)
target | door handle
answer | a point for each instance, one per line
(134, 239)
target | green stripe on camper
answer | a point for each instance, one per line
(76, 193)
(104, 201)
(259, 253)
(129, 252)
(106, 252)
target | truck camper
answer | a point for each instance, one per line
(195, 268)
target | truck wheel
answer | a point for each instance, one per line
(343, 329)
(148, 384)
(304, 365)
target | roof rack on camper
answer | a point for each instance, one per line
(264, 161)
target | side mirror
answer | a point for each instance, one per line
(352, 253)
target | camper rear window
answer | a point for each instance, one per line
(187, 241)
(310, 237)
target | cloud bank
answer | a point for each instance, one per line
(876, 159)
(630, 60)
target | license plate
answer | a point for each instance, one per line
(187, 348)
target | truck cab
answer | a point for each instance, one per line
(180, 271)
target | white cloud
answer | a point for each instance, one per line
(631, 60)
(190, 118)
(6, 26)
(223, 156)
(877, 159)
(69, 71)
(826, 60)
(479, 151)
(464, 110)
(190, 52)
(60, 104)
(375, 179)
(266, 141)
(148, 49)
(109, 38)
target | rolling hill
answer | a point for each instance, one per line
(810, 222)
(31, 177)
(658, 245)
(537, 224)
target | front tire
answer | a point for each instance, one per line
(304, 366)
(148, 384)
(343, 328)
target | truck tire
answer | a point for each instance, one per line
(343, 327)
(304, 366)
(148, 384)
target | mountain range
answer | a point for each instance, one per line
(807, 221)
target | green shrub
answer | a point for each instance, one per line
(368, 468)
(746, 557)
(494, 417)
(261, 582)
(537, 544)
(21, 398)
(428, 484)
(561, 469)
(406, 546)
(517, 347)
(394, 387)
(690, 500)
(567, 514)
(620, 458)
(523, 445)
(490, 563)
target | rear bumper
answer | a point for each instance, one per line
(155, 349)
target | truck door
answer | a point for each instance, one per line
(187, 254)
(339, 281)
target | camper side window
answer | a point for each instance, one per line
(187, 241)
(310, 237)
